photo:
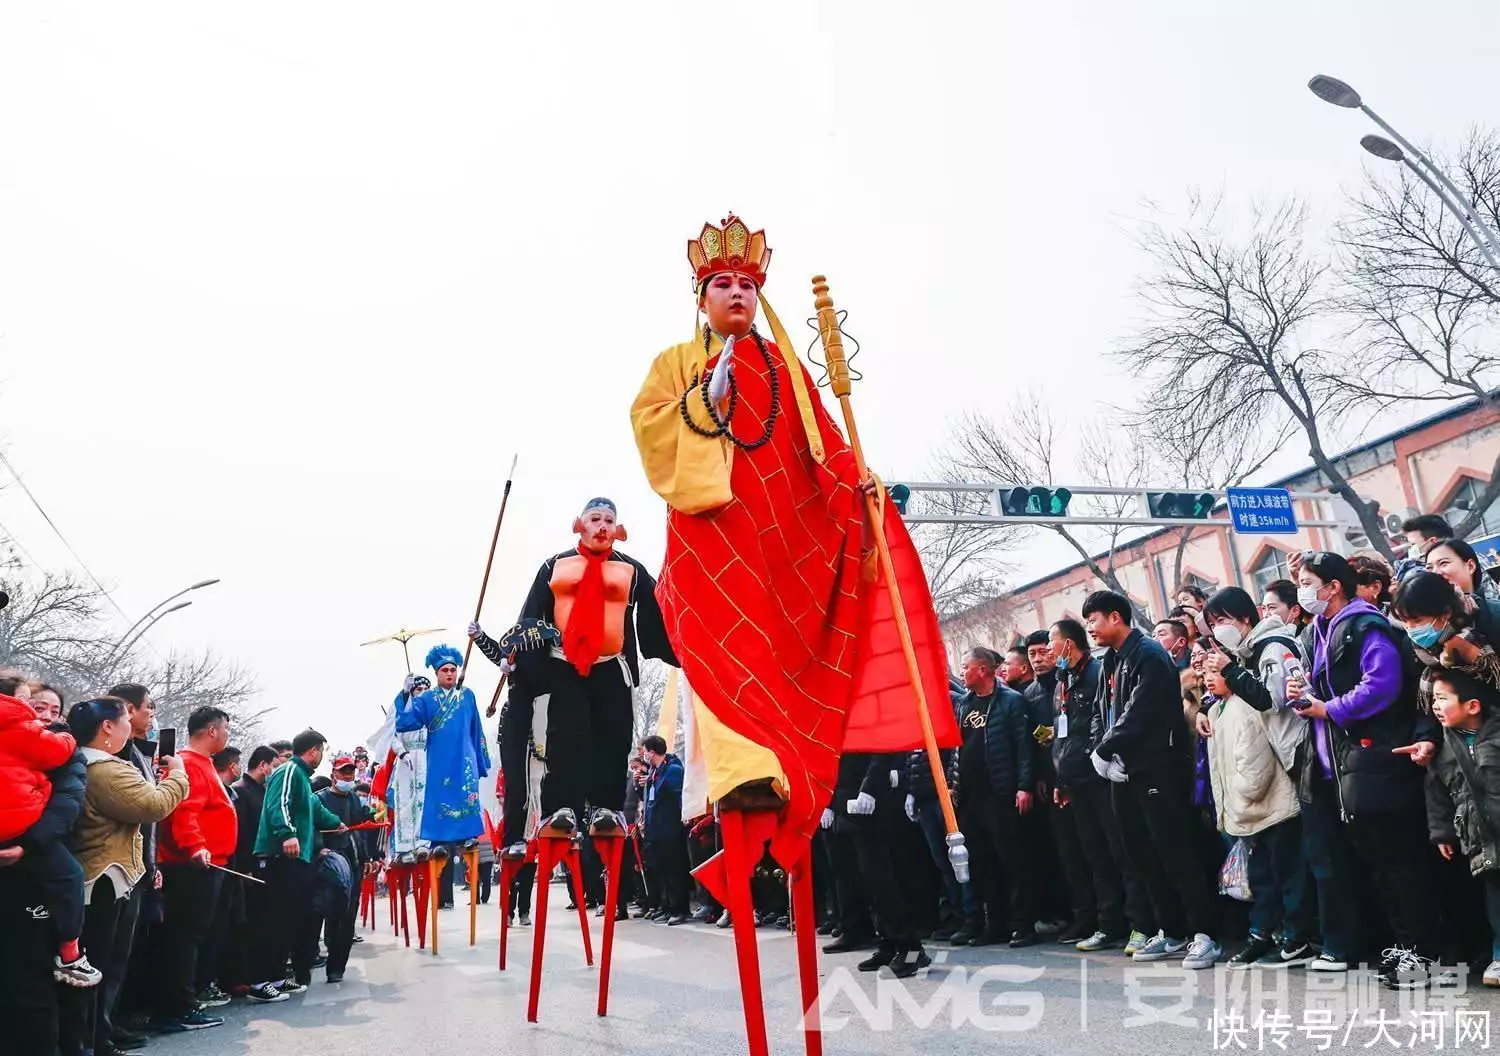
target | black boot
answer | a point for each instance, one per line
(910, 960)
(884, 954)
(849, 943)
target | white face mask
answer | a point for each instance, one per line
(344, 786)
(1229, 636)
(1307, 597)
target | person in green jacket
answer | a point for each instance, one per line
(290, 820)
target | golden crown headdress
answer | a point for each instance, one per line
(730, 247)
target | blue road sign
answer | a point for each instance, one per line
(1488, 549)
(1262, 511)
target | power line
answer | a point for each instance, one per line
(58, 532)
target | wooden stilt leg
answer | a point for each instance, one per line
(473, 865)
(575, 870)
(742, 915)
(434, 896)
(420, 896)
(612, 852)
(805, 920)
(508, 869)
(547, 851)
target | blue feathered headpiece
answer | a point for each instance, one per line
(439, 655)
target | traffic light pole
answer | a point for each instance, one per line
(997, 492)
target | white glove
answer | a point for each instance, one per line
(826, 822)
(409, 684)
(895, 779)
(911, 808)
(1101, 764)
(864, 803)
(718, 385)
(1116, 771)
(474, 629)
(507, 667)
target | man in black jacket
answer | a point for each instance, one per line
(1054, 903)
(358, 849)
(996, 787)
(1139, 731)
(868, 798)
(1083, 816)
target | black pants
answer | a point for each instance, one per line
(190, 894)
(29, 999)
(853, 905)
(246, 931)
(520, 888)
(1054, 899)
(670, 859)
(445, 880)
(339, 916)
(215, 962)
(58, 874)
(1083, 902)
(515, 754)
(1118, 894)
(1392, 846)
(988, 901)
(292, 918)
(114, 960)
(1155, 819)
(882, 877)
(589, 725)
(486, 881)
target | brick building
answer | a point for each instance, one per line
(1438, 464)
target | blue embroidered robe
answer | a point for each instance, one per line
(457, 757)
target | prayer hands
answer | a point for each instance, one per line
(718, 384)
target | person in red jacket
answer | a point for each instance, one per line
(203, 831)
(28, 751)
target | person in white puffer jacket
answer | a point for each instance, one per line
(1252, 742)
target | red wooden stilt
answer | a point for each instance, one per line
(390, 896)
(405, 881)
(547, 852)
(434, 894)
(510, 870)
(741, 908)
(805, 920)
(575, 871)
(422, 892)
(612, 851)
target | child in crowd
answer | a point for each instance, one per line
(1463, 790)
(35, 820)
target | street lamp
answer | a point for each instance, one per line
(149, 624)
(148, 616)
(1332, 90)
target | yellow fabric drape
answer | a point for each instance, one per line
(691, 472)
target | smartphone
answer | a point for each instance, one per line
(166, 742)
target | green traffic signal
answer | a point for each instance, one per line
(900, 495)
(1180, 505)
(1035, 502)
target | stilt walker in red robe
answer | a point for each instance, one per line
(783, 557)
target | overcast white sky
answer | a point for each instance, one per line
(283, 286)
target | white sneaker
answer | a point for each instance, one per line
(1159, 948)
(1492, 974)
(1327, 962)
(1202, 952)
(79, 973)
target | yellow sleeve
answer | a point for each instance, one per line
(689, 471)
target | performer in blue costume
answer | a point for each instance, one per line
(457, 756)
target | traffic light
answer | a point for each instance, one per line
(900, 495)
(1035, 502)
(1180, 505)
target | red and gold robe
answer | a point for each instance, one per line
(790, 648)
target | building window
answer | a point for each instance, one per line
(1465, 499)
(1192, 579)
(1268, 570)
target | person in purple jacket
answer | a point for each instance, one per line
(1361, 794)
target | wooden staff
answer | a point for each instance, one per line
(838, 378)
(489, 563)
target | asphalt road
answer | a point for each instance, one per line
(675, 991)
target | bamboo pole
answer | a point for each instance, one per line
(838, 376)
(489, 564)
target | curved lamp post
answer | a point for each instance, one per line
(152, 615)
(1398, 148)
